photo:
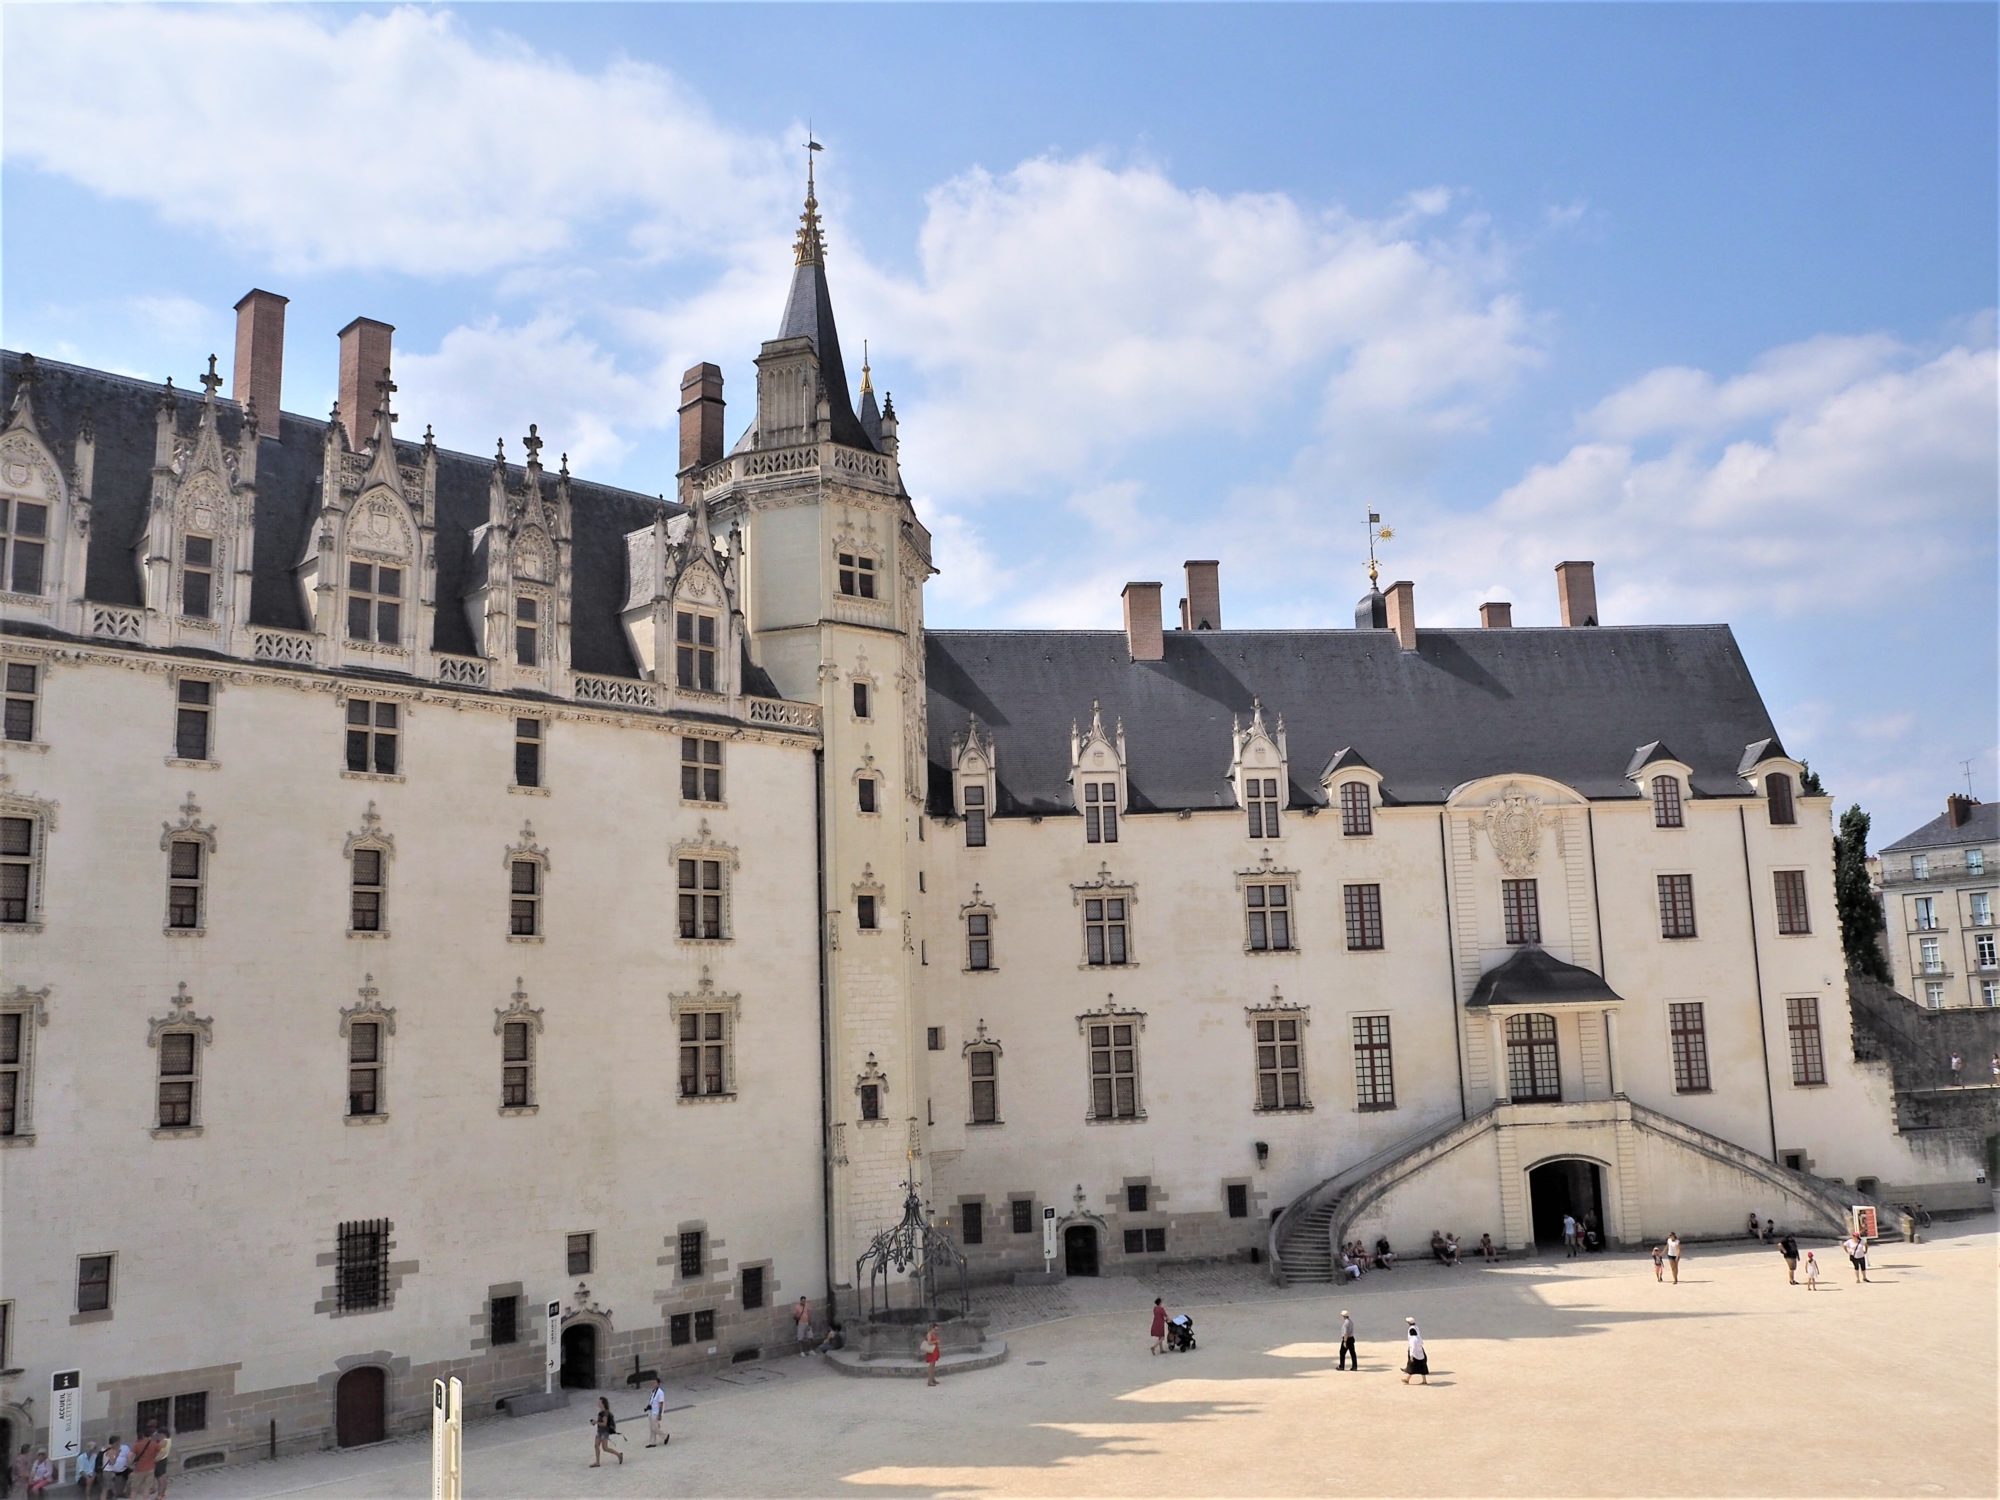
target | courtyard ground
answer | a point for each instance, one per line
(1549, 1377)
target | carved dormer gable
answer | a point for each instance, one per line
(44, 516)
(1259, 769)
(974, 779)
(681, 615)
(1097, 775)
(369, 570)
(194, 555)
(518, 601)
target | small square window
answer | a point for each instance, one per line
(934, 1038)
(1239, 1200)
(93, 1283)
(579, 1254)
(1135, 1242)
(704, 1325)
(1156, 1241)
(152, 1414)
(1024, 1215)
(191, 1412)
(1135, 1197)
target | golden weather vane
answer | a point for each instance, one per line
(1377, 532)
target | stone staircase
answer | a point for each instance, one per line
(1301, 1239)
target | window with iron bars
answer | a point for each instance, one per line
(361, 1269)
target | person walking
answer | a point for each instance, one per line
(656, 1411)
(1812, 1273)
(802, 1323)
(1418, 1363)
(1159, 1326)
(1348, 1360)
(1789, 1248)
(1674, 1255)
(604, 1432)
(1659, 1262)
(1861, 1254)
(1569, 1237)
(932, 1348)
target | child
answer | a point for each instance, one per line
(1812, 1273)
(1659, 1262)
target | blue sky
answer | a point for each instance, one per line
(1704, 293)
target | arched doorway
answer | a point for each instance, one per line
(1080, 1250)
(579, 1357)
(1566, 1186)
(360, 1407)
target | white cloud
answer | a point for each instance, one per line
(1676, 399)
(398, 141)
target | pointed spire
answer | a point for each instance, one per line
(867, 375)
(22, 412)
(810, 249)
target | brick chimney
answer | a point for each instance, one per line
(1402, 602)
(1496, 616)
(701, 416)
(364, 359)
(1576, 591)
(258, 375)
(1142, 621)
(1204, 594)
(1958, 810)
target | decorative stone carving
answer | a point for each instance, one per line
(180, 1016)
(189, 827)
(518, 1010)
(1514, 825)
(368, 1008)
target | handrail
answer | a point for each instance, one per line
(1346, 1178)
(1363, 1193)
(1831, 1198)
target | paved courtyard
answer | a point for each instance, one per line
(1550, 1377)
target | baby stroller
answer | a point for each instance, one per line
(1180, 1334)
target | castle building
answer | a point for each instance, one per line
(1939, 883)
(456, 918)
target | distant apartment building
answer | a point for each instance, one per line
(1938, 894)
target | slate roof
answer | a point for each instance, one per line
(1567, 703)
(288, 483)
(1982, 826)
(1532, 976)
(809, 314)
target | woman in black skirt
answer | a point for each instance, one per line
(1418, 1364)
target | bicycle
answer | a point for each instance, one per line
(1919, 1214)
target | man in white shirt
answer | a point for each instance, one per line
(1569, 1235)
(656, 1408)
(117, 1468)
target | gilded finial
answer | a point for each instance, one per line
(811, 247)
(1377, 532)
(867, 376)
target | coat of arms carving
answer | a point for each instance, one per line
(1514, 824)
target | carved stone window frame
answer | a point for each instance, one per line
(190, 829)
(1260, 752)
(180, 1020)
(32, 1006)
(1277, 1008)
(981, 1043)
(1267, 872)
(1108, 887)
(369, 836)
(868, 885)
(974, 764)
(868, 770)
(519, 1012)
(872, 1076)
(368, 1008)
(979, 906)
(706, 846)
(1111, 1013)
(706, 999)
(42, 814)
(212, 709)
(525, 849)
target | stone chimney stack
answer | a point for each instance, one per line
(1142, 621)
(1496, 616)
(1958, 810)
(1576, 591)
(1204, 594)
(258, 375)
(1402, 601)
(364, 359)
(701, 416)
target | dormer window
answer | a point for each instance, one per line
(694, 650)
(527, 631)
(1666, 802)
(857, 575)
(24, 530)
(974, 798)
(1260, 800)
(198, 577)
(1778, 798)
(1100, 811)
(374, 603)
(1357, 814)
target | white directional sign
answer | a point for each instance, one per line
(440, 1412)
(552, 1354)
(1048, 1234)
(65, 1415)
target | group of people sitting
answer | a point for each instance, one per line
(1356, 1259)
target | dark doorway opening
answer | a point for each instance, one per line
(1080, 1250)
(360, 1407)
(1570, 1187)
(6, 1457)
(579, 1357)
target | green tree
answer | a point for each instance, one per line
(1809, 781)
(1860, 911)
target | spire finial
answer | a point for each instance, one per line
(1377, 532)
(811, 247)
(533, 443)
(867, 376)
(211, 382)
